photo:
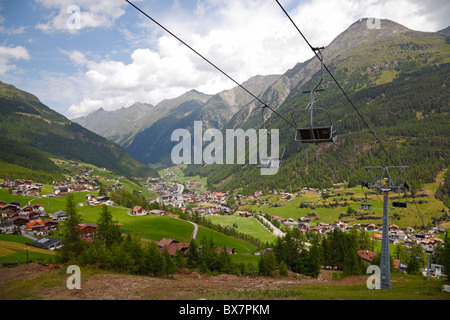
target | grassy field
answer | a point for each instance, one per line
(221, 240)
(13, 249)
(23, 200)
(404, 288)
(245, 225)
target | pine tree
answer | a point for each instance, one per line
(192, 255)
(108, 231)
(72, 244)
(316, 256)
(169, 264)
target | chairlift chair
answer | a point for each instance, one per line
(267, 162)
(399, 204)
(270, 162)
(365, 206)
(315, 133)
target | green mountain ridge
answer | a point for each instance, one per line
(31, 132)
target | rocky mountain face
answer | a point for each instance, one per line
(116, 125)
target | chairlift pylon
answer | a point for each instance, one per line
(315, 133)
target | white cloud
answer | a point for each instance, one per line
(90, 14)
(11, 53)
(150, 77)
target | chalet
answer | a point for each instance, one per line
(377, 236)
(87, 231)
(317, 229)
(7, 227)
(280, 219)
(33, 191)
(227, 250)
(51, 224)
(407, 229)
(9, 210)
(156, 212)
(438, 230)
(139, 211)
(258, 194)
(367, 255)
(245, 214)
(393, 228)
(38, 208)
(47, 243)
(60, 216)
(304, 219)
(371, 227)
(19, 220)
(60, 190)
(37, 227)
(172, 246)
(304, 225)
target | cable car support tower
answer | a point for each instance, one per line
(384, 183)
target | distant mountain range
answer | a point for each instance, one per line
(31, 133)
(145, 131)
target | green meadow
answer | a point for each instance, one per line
(245, 225)
(13, 249)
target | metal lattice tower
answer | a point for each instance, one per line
(384, 183)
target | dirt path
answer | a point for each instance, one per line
(182, 286)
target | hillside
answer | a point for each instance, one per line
(398, 81)
(31, 132)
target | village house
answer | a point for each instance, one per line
(367, 255)
(138, 211)
(9, 210)
(227, 250)
(173, 246)
(157, 212)
(37, 228)
(38, 208)
(60, 216)
(87, 231)
(19, 220)
(304, 225)
(7, 227)
(49, 243)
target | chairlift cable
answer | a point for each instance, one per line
(212, 64)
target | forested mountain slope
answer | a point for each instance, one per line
(31, 132)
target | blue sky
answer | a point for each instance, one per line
(115, 56)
